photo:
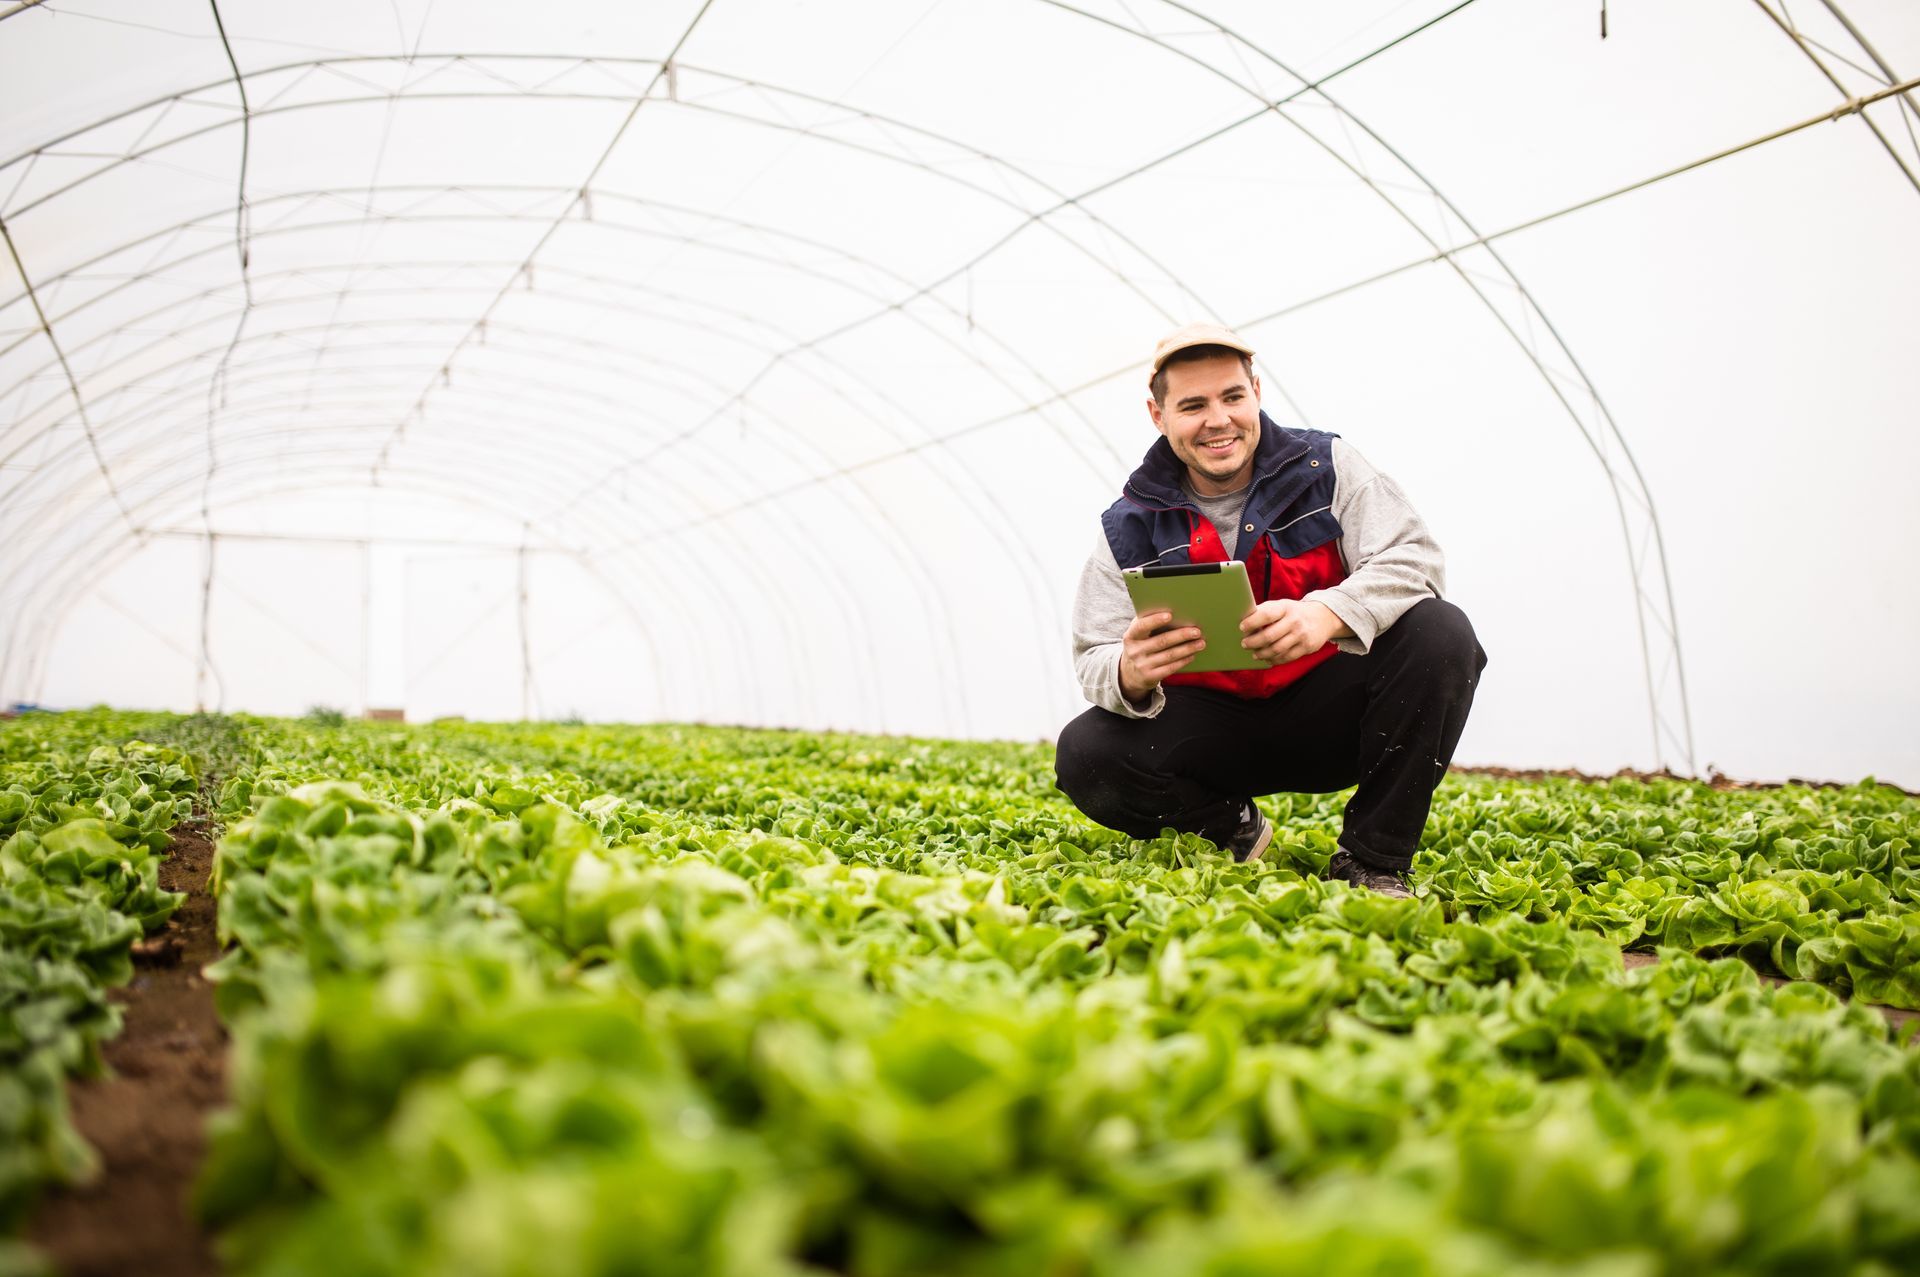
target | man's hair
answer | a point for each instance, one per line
(1193, 354)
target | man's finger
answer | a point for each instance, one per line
(1271, 647)
(1262, 617)
(1153, 645)
(1171, 638)
(1178, 654)
(1147, 622)
(1276, 633)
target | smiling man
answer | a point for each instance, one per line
(1369, 673)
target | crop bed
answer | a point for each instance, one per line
(539, 999)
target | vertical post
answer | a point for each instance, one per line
(206, 619)
(366, 626)
(526, 647)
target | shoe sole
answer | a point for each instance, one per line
(1260, 844)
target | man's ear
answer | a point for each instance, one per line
(1153, 410)
(1255, 377)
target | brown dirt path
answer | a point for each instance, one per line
(1712, 780)
(148, 1117)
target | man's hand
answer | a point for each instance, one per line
(1146, 657)
(1282, 630)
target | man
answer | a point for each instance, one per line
(1371, 672)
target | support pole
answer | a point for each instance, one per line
(366, 627)
(526, 646)
(206, 621)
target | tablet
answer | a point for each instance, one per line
(1213, 596)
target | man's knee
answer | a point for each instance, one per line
(1078, 757)
(1443, 640)
(1089, 766)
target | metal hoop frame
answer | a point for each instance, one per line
(63, 558)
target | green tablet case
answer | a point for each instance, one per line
(1213, 596)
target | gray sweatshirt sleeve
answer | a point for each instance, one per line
(1392, 560)
(1102, 610)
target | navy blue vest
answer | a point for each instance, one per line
(1289, 502)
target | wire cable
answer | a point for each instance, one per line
(1041, 215)
(216, 384)
(1805, 45)
(73, 383)
(479, 324)
(1860, 39)
(1014, 414)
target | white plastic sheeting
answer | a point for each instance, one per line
(768, 363)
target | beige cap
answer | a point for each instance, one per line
(1197, 335)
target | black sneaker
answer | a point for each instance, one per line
(1387, 882)
(1250, 837)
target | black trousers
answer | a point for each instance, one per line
(1387, 722)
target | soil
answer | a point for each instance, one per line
(147, 1118)
(1712, 780)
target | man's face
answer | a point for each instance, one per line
(1212, 420)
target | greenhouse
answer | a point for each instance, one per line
(564, 707)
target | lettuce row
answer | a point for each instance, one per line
(1758, 874)
(468, 1036)
(82, 828)
(514, 999)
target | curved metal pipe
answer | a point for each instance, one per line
(1643, 497)
(936, 606)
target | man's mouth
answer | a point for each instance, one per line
(1222, 446)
